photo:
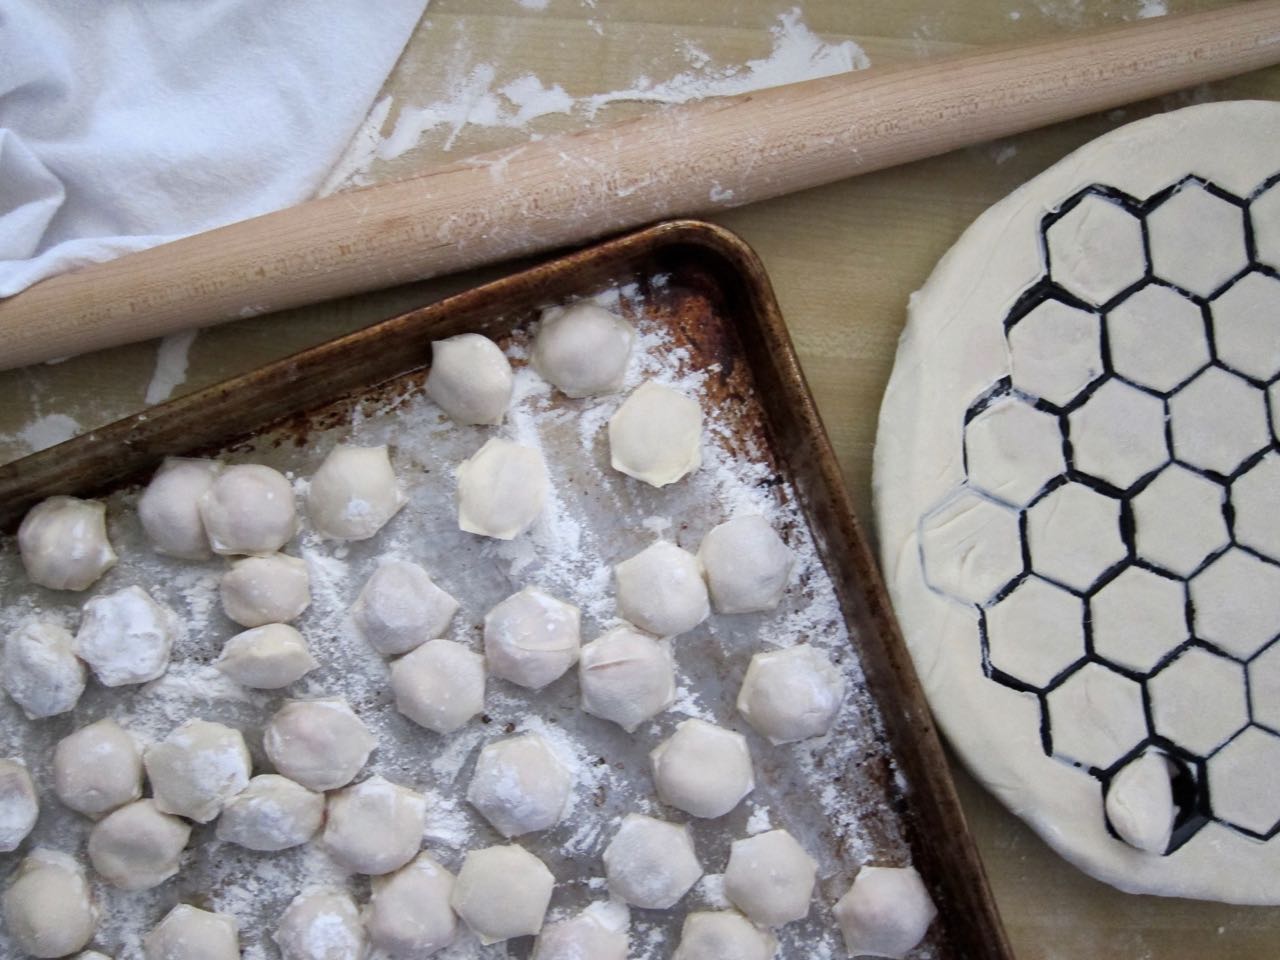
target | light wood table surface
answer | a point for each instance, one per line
(843, 260)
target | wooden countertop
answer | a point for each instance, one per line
(843, 260)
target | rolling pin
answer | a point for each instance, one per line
(676, 161)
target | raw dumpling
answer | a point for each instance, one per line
(520, 785)
(375, 827)
(747, 565)
(188, 933)
(409, 915)
(354, 493)
(599, 932)
(97, 769)
(40, 671)
(661, 590)
(248, 509)
(1139, 803)
(138, 847)
(261, 590)
(626, 677)
(320, 744)
(19, 805)
(722, 935)
(271, 813)
(63, 543)
(401, 608)
(267, 657)
(502, 892)
(702, 769)
(126, 637)
(440, 685)
(170, 507)
(656, 435)
(321, 923)
(583, 350)
(770, 878)
(197, 768)
(791, 694)
(501, 490)
(470, 379)
(651, 863)
(531, 638)
(48, 910)
(885, 913)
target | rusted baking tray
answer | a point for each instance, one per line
(876, 790)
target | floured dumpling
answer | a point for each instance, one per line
(189, 933)
(197, 768)
(599, 932)
(702, 769)
(723, 935)
(583, 349)
(126, 637)
(267, 657)
(400, 608)
(626, 677)
(791, 694)
(470, 379)
(138, 847)
(502, 489)
(661, 590)
(63, 543)
(261, 590)
(48, 906)
(885, 913)
(97, 769)
(520, 785)
(746, 564)
(271, 813)
(531, 638)
(170, 507)
(502, 892)
(409, 915)
(440, 685)
(354, 493)
(321, 744)
(19, 804)
(40, 670)
(248, 510)
(375, 826)
(656, 435)
(321, 923)
(651, 863)
(770, 878)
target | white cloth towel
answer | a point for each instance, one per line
(128, 123)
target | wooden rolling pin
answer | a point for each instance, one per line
(676, 161)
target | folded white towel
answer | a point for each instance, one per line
(128, 123)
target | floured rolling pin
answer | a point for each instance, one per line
(676, 161)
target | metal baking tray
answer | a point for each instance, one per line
(876, 790)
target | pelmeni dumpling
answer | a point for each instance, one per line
(267, 657)
(400, 608)
(770, 878)
(626, 677)
(1139, 803)
(261, 590)
(520, 785)
(791, 694)
(126, 637)
(97, 769)
(885, 913)
(599, 932)
(271, 813)
(651, 863)
(321, 923)
(63, 543)
(470, 379)
(354, 493)
(502, 892)
(170, 507)
(531, 638)
(197, 768)
(702, 769)
(656, 435)
(321, 744)
(248, 509)
(138, 847)
(440, 685)
(19, 804)
(48, 908)
(723, 935)
(40, 671)
(188, 933)
(583, 349)
(747, 565)
(502, 489)
(661, 590)
(409, 915)
(375, 826)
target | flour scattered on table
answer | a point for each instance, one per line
(171, 365)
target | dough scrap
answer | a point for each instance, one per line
(40, 671)
(354, 493)
(97, 768)
(170, 507)
(248, 510)
(583, 349)
(656, 435)
(63, 543)
(126, 637)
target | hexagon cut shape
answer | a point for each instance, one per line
(1235, 603)
(1096, 717)
(972, 548)
(1178, 520)
(1265, 213)
(1197, 239)
(1264, 687)
(1074, 535)
(1035, 632)
(1138, 619)
(1246, 326)
(1117, 435)
(1095, 249)
(1012, 450)
(1218, 421)
(1157, 338)
(1198, 700)
(1055, 352)
(1242, 782)
(1255, 499)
